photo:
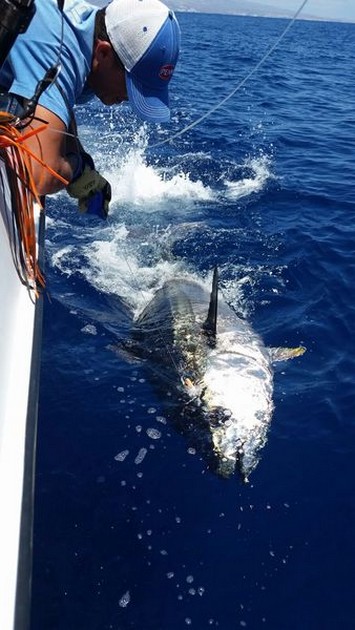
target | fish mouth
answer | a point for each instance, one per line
(227, 446)
(230, 449)
(225, 466)
(205, 431)
(213, 432)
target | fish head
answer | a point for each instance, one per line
(236, 398)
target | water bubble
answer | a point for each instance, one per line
(120, 457)
(89, 329)
(154, 434)
(161, 419)
(141, 455)
(125, 599)
(190, 579)
(151, 410)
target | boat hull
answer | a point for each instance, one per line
(20, 337)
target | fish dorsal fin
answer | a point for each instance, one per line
(210, 325)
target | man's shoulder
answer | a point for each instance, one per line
(78, 11)
(39, 48)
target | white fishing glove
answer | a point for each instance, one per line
(91, 189)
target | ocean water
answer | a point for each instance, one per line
(131, 528)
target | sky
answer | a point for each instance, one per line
(331, 9)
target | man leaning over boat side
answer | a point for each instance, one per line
(126, 51)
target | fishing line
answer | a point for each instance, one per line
(240, 84)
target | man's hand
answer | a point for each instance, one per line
(91, 189)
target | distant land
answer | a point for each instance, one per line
(236, 7)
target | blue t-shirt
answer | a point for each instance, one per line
(35, 51)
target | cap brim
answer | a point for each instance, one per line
(149, 104)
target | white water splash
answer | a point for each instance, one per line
(138, 183)
(130, 255)
(113, 268)
(260, 173)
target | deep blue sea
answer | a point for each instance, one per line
(264, 188)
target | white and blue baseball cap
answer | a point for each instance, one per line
(145, 35)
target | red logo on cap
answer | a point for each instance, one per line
(165, 72)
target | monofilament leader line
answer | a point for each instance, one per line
(240, 84)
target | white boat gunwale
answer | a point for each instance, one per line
(21, 316)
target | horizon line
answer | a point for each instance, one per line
(304, 18)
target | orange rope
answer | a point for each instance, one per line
(6, 141)
(24, 193)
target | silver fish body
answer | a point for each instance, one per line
(223, 376)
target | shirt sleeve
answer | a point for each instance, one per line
(40, 48)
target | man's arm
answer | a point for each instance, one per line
(63, 153)
(54, 148)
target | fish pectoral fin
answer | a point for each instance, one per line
(282, 354)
